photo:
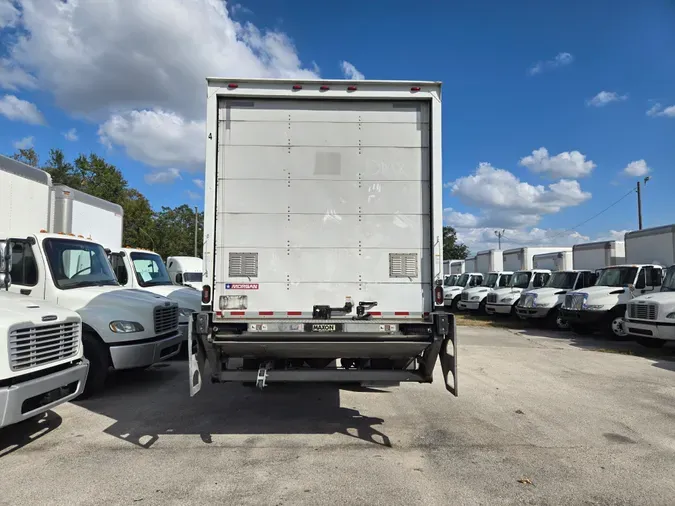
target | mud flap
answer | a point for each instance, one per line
(449, 360)
(195, 359)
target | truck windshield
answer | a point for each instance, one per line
(521, 280)
(463, 280)
(450, 280)
(617, 276)
(149, 269)
(562, 280)
(76, 264)
(491, 280)
(669, 281)
(504, 280)
(194, 277)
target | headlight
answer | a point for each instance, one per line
(594, 307)
(125, 327)
(475, 298)
(185, 312)
(507, 299)
(670, 315)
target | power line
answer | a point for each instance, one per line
(585, 221)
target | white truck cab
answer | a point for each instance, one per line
(122, 329)
(41, 357)
(452, 294)
(544, 303)
(450, 279)
(603, 306)
(504, 300)
(186, 271)
(651, 318)
(144, 270)
(475, 298)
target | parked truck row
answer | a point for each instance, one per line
(623, 288)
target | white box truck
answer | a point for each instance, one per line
(186, 271)
(522, 259)
(122, 329)
(455, 268)
(474, 298)
(596, 255)
(650, 318)
(602, 307)
(561, 260)
(41, 357)
(470, 264)
(324, 263)
(143, 269)
(491, 260)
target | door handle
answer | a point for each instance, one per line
(25, 291)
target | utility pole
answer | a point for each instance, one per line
(196, 227)
(499, 236)
(639, 202)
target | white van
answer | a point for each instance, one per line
(186, 271)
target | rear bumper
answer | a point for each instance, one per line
(592, 319)
(24, 400)
(533, 312)
(143, 354)
(640, 329)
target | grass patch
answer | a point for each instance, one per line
(474, 320)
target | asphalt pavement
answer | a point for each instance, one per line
(542, 418)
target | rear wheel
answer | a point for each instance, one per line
(455, 301)
(651, 342)
(99, 362)
(481, 307)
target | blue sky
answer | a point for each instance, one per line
(518, 76)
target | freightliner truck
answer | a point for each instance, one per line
(323, 235)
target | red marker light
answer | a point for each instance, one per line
(233, 86)
(297, 87)
(206, 294)
(415, 88)
(351, 88)
(324, 88)
(438, 295)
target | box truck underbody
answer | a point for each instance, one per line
(325, 246)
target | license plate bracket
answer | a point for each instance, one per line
(323, 328)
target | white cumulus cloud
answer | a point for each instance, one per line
(199, 183)
(25, 143)
(638, 168)
(157, 138)
(563, 165)
(9, 14)
(560, 60)
(606, 97)
(194, 195)
(658, 110)
(70, 135)
(484, 238)
(351, 72)
(15, 109)
(163, 176)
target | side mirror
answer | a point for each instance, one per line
(179, 278)
(656, 277)
(5, 264)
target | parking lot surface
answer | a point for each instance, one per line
(542, 418)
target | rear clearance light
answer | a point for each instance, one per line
(233, 86)
(297, 87)
(351, 88)
(438, 295)
(415, 88)
(324, 88)
(206, 294)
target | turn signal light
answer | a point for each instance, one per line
(438, 295)
(206, 294)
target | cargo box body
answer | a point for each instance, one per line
(596, 255)
(314, 196)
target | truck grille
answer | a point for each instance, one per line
(527, 300)
(642, 311)
(166, 319)
(37, 346)
(465, 296)
(492, 298)
(574, 301)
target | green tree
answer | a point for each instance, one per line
(27, 156)
(62, 171)
(139, 221)
(452, 248)
(174, 231)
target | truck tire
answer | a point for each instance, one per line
(614, 327)
(455, 301)
(555, 320)
(651, 342)
(99, 362)
(481, 307)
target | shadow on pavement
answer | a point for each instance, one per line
(15, 437)
(154, 402)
